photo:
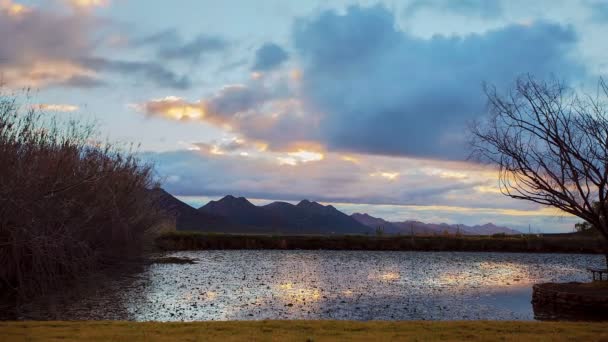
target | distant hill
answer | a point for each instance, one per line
(421, 228)
(239, 210)
(304, 218)
(237, 215)
(187, 217)
(375, 222)
(489, 229)
(312, 217)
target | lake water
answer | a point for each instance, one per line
(357, 285)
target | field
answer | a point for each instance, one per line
(303, 331)
(183, 240)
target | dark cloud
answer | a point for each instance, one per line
(384, 91)
(152, 71)
(82, 82)
(268, 57)
(482, 8)
(232, 100)
(39, 47)
(170, 45)
(194, 49)
(162, 38)
(37, 34)
(43, 47)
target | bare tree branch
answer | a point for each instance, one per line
(551, 146)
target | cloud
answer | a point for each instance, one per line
(172, 107)
(51, 107)
(263, 111)
(483, 8)
(42, 47)
(13, 9)
(171, 46)
(151, 71)
(87, 4)
(194, 49)
(384, 91)
(364, 86)
(38, 47)
(599, 10)
(234, 99)
(268, 57)
(236, 166)
(44, 73)
(221, 147)
(222, 108)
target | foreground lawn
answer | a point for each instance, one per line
(302, 331)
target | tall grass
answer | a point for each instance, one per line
(67, 205)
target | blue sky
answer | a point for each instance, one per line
(363, 104)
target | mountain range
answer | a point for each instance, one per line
(237, 215)
(420, 228)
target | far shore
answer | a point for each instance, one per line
(183, 240)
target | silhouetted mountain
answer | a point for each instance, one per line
(375, 222)
(240, 211)
(187, 217)
(421, 228)
(403, 228)
(237, 215)
(489, 229)
(280, 217)
(312, 217)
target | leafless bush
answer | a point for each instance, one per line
(67, 205)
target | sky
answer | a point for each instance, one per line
(361, 104)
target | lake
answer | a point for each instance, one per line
(355, 285)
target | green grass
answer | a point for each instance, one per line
(303, 331)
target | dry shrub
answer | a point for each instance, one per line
(67, 205)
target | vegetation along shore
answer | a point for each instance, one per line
(498, 243)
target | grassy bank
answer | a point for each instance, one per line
(303, 331)
(536, 244)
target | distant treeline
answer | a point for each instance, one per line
(497, 243)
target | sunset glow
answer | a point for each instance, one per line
(272, 108)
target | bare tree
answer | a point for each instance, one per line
(551, 146)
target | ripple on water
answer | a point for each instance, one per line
(359, 285)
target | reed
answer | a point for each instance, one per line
(68, 204)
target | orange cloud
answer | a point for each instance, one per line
(300, 156)
(56, 107)
(43, 73)
(250, 112)
(88, 4)
(13, 9)
(173, 107)
(384, 174)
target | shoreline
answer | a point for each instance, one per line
(184, 240)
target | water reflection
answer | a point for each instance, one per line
(226, 285)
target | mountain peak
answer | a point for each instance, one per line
(308, 204)
(362, 215)
(230, 198)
